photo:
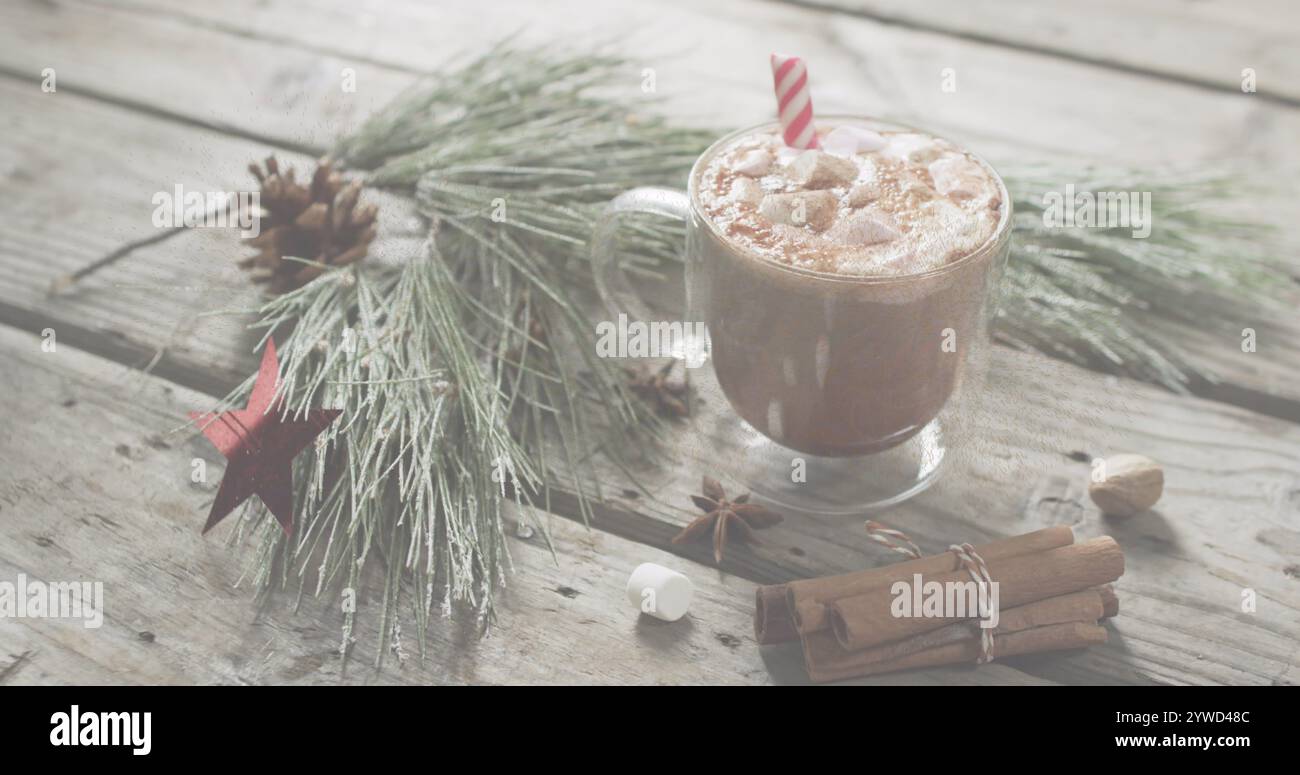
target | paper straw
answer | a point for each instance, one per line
(794, 101)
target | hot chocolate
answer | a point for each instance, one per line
(842, 287)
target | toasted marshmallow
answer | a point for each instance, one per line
(755, 164)
(799, 208)
(785, 154)
(913, 206)
(957, 177)
(847, 140)
(746, 190)
(818, 169)
(865, 227)
(862, 194)
(914, 148)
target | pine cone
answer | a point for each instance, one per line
(320, 222)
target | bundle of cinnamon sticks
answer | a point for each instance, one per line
(1050, 594)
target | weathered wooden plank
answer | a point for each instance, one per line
(97, 487)
(705, 60)
(1229, 519)
(1203, 43)
(273, 96)
(88, 190)
(149, 306)
(1158, 653)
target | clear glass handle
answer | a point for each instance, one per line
(617, 292)
(606, 262)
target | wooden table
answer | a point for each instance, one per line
(95, 478)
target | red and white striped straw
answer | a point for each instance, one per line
(794, 101)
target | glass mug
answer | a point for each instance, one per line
(846, 393)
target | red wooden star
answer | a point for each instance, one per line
(260, 444)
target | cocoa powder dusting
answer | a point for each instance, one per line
(895, 217)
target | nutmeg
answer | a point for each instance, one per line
(1128, 484)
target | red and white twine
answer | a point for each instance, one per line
(979, 573)
(967, 557)
(894, 540)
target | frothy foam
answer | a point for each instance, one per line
(889, 203)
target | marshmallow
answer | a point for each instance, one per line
(755, 164)
(925, 155)
(818, 169)
(918, 149)
(746, 190)
(918, 194)
(785, 154)
(839, 143)
(954, 228)
(814, 208)
(862, 194)
(848, 140)
(956, 176)
(659, 592)
(864, 214)
(865, 227)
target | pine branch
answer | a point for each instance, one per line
(446, 367)
(1101, 298)
(455, 400)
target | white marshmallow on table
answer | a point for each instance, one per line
(755, 164)
(848, 140)
(659, 592)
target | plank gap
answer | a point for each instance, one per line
(1011, 44)
(152, 111)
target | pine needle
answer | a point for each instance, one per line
(455, 402)
(1101, 298)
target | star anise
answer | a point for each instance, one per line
(663, 390)
(722, 516)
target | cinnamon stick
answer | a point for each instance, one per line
(772, 620)
(784, 611)
(1052, 637)
(1090, 604)
(867, 619)
(1109, 600)
(822, 648)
